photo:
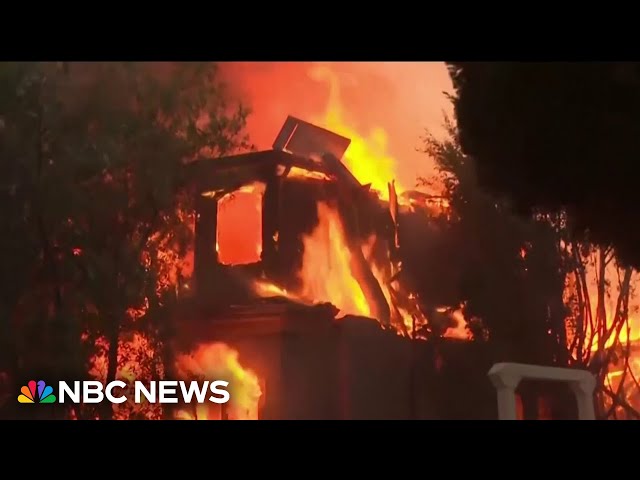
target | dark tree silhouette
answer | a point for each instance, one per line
(546, 134)
(507, 270)
(93, 196)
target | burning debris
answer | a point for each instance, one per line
(293, 226)
(300, 273)
(325, 237)
(331, 239)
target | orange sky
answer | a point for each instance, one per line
(402, 98)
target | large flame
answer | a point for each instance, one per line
(629, 336)
(621, 377)
(367, 156)
(326, 273)
(218, 361)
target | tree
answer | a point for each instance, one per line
(509, 272)
(531, 291)
(95, 198)
(557, 136)
(599, 294)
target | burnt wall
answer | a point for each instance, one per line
(393, 377)
(314, 367)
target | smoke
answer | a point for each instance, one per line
(402, 98)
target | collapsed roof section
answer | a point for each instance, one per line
(298, 144)
(284, 211)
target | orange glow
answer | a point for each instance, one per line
(630, 331)
(629, 334)
(326, 276)
(324, 94)
(632, 334)
(297, 172)
(266, 289)
(401, 317)
(239, 238)
(174, 268)
(137, 360)
(620, 380)
(460, 330)
(367, 156)
(218, 361)
(326, 273)
(631, 394)
(401, 98)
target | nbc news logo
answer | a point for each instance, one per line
(93, 391)
(36, 392)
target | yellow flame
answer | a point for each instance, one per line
(266, 289)
(367, 157)
(218, 361)
(297, 172)
(326, 266)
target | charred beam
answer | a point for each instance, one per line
(359, 265)
(271, 222)
(369, 284)
(213, 174)
(205, 252)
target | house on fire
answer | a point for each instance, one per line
(315, 362)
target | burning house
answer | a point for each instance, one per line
(307, 294)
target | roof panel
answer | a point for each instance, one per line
(305, 139)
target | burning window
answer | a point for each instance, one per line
(239, 237)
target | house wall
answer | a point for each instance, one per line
(314, 367)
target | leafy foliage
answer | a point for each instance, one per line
(544, 134)
(527, 283)
(93, 194)
(507, 271)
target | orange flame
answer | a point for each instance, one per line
(297, 172)
(460, 330)
(326, 274)
(618, 379)
(218, 361)
(366, 157)
(265, 289)
(239, 238)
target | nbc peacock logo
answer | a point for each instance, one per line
(36, 392)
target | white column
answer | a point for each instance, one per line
(583, 390)
(506, 385)
(506, 377)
